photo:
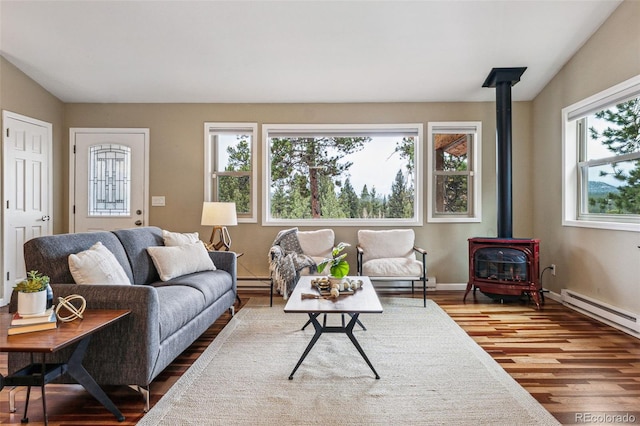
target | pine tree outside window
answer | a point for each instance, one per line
(454, 172)
(337, 175)
(602, 159)
(230, 166)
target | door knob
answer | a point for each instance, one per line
(45, 218)
(138, 222)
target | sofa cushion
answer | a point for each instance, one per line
(178, 238)
(175, 261)
(135, 242)
(212, 284)
(386, 243)
(177, 306)
(97, 265)
(49, 255)
(392, 267)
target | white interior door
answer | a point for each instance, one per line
(27, 187)
(109, 179)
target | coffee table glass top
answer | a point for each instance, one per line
(364, 300)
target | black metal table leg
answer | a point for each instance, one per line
(82, 376)
(348, 330)
(314, 320)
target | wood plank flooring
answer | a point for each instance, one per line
(576, 367)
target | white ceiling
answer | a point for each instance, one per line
(292, 51)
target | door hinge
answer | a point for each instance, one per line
(74, 149)
(7, 132)
(74, 209)
(7, 204)
(8, 276)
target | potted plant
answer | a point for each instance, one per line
(338, 266)
(32, 294)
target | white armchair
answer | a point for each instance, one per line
(390, 255)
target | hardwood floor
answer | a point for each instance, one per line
(576, 367)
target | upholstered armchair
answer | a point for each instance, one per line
(390, 255)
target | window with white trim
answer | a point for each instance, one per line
(337, 175)
(602, 159)
(230, 166)
(454, 172)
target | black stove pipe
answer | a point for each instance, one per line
(503, 79)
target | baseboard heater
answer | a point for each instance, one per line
(623, 320)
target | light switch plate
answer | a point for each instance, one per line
(157, 201)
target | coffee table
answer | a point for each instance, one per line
(364, 300)
(43, 342)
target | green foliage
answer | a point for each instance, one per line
(237, 188)
(622, 137)
(34, 283)
(307, 180)
(454, 188)
(400, 202)
(349, 199)
(299, 165)
(339, 267)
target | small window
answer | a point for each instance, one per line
(602, 159)
(453, 170)
(230, 166)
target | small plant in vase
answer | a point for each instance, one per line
(338, 266)
(32, 294)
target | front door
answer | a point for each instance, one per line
(109, 179)
(27, 184)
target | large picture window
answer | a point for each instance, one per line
(230, 166)
(454, 172)
(602, 159)
(342, 174)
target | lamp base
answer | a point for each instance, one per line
(223, 240)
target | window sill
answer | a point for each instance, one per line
(615, 226)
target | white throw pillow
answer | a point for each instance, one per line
(97, 265)
(175, 261)
(178, 238)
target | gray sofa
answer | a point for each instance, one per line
(166, 317)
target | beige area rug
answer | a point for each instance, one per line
(431, 373)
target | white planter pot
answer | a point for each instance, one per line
(32, 303)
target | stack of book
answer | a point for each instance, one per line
(29, 323)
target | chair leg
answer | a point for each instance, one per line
(424, 291)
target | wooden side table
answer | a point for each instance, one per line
(44, 342)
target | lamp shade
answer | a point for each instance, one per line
(219, 214)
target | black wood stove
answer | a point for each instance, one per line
(504, 266)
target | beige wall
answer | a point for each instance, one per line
(599, 263)
(177, 167)
(22, 95)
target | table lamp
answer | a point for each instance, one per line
(219, 215)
